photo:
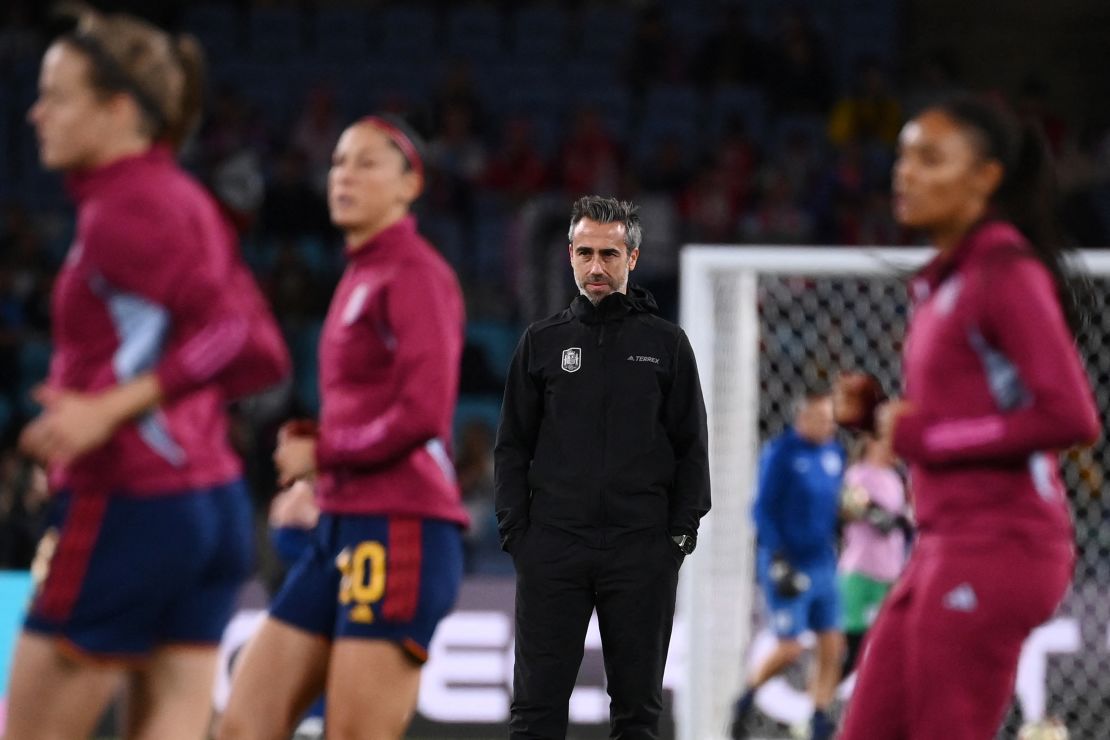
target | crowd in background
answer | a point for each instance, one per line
(758, 123)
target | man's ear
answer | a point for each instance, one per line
(632, 257)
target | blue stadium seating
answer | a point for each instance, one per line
(497, 339)
(482, 409)
(34, 364)
(540, 32)
(216, 26)
(275, 33)
(303, 344)
(748, 104)
(407, 32)
(604, 32)
(474, 31)
(340, 33)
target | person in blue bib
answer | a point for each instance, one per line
(796, 510)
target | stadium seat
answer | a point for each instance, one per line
(604, 32)
(485, 409)
(406, 32)
(809, 127)
(265, 85)
(738, 102)
(384, 81)
(540, 32)
(672, 101)
(6, 148)
(274, 33)
(217, 26)
(446, 234)
(34, 364)
(474, 31)
(614, 105)
(303, 344)
(340, 33)
(7, 415)
(498, 340)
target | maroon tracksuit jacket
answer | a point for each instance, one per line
(389, 378)
(153, 282)
(998, 389)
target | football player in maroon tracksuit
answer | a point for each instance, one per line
(994, 388)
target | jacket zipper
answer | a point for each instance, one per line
(604, 429)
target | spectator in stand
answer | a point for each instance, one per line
(314, 133)
(517, 169)
(708, 207)
(653, 53)
(590, 160)
(798, 80)
(667, 169)
(731, 54)
(290, 207)
(871, 114)
(777, 218)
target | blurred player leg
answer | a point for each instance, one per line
(373, 704)
(52, 697)
(281, 672)
(830, 655)
(171, 697)
(877, 709)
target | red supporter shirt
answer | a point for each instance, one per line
(153, 282)
(389, 380)
(997, 388)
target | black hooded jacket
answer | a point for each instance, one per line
(603, 427)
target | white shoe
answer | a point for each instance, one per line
(1049, 728)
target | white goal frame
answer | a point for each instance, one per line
(715, 592)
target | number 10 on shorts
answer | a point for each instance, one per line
(363, 581)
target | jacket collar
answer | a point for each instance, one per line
(614, 305)
(397, 234)
(81, 184)
(987, 235)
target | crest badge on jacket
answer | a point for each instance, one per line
(572, 359)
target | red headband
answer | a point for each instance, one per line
(400, 139)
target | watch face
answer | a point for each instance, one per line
(685, 543)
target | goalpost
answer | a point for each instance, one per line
(764, 322)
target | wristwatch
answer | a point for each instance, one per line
(685, 542)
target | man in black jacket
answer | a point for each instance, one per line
(602, 477)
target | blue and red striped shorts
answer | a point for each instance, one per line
(375, 577)
(120, 574)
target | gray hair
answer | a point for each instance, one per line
(607, 211)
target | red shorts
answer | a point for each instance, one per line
(942, 656)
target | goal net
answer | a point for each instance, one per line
(767, 322)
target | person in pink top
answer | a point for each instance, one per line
(156, 326)
(994, 389)
(873, 544)
(356, 614)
